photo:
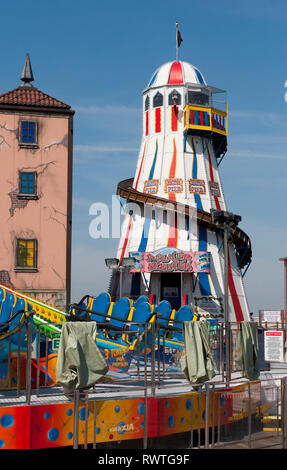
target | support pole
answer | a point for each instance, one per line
(226, 304)
(285, 288)
(121, 281)
(176, 41)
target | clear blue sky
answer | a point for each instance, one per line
(99, 56)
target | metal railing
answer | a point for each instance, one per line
(256, 410)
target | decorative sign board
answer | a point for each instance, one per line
(274, 346)
(197, 186)
(209, 307)
(171, 260)
(150, 186)
(173, 185)
(214, 188)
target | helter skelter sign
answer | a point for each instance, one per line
(167, 260)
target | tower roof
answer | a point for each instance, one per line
(27, 74)
(176, 73)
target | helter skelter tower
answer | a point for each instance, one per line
(168, 227)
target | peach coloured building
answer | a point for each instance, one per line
(36, 156)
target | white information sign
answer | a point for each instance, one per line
(274, 346)
(271, 316)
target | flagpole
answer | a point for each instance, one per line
(176, 40)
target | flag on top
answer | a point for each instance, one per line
(179, 39)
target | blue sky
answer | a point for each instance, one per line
(99, 56)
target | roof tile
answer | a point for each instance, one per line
(31, 96)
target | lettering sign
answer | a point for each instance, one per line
(197, 186)
(171, 260)
(151, 187)
(173, 185)
(214, 188)
(209, 307)
(55, 344)
(271, 316)
(118, 359)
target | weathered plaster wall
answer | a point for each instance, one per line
(43, 218)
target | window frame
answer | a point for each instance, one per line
(28, 144)
(27, 195)
(26, 268)
(178, 100)
(155, 99)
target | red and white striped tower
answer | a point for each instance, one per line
(170, 199)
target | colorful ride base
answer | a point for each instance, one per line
(52, 425)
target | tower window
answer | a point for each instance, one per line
(27, 182)
(147, 103)
(26, 253)
(174, 96)
(197, 98)
(157, 100)
(28, 132)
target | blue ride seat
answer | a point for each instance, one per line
(21, 306)
(99, 307)
(164, 311)
(7, 307)
(117, 317)
(79, 309)
(182, 315)
(141, 299)
(120, 313)
(141, 314)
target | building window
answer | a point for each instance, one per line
(26, 253)
(28, 132)
(27, 182)
(157, 100)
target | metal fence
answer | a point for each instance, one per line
(256, 419)
(256, 410)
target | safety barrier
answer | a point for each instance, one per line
(218, 413)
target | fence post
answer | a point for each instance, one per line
(221, 351)
(227, 353)
(76, 419)
(206, 416)
(29, 363)
(191, 423)
(158, 354)
(213, 416)
(86, 419)
(145, 391)
(153, 337)
(284, 412)
(249, 416)
(38, 360)
(199, 415)
(218, 417)
(95, 425)
(18, 365)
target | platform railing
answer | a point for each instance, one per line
(256, 417)
(257, 409)
(37, 357)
